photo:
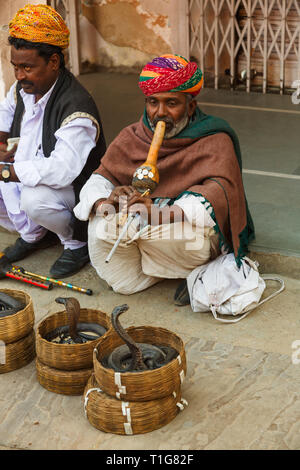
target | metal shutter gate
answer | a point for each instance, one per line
(255, 42)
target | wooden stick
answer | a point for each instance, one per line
(156, 142)
(130, 219)
(123, 217)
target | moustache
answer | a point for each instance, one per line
(169, 122)
(25, 82)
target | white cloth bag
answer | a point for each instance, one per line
(222, 288)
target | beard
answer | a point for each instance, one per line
(172, 128)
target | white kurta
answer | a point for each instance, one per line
(147, 254)
(49, 178)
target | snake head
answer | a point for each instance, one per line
(68, 301)
(61, 300)
(136, 352)
(118, 310)
(73, 311)
(115, 318)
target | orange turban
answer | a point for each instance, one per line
(40, 23)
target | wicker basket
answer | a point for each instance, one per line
(118, 417)
(60, 381)
(18, 325)
(19, 353)
(68, 356)
(144, 385)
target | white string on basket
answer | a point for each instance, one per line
(86, 398)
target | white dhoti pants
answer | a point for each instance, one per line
(143, 258)
(33, 211)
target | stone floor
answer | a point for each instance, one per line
(242, 386)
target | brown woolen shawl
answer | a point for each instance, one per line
(207, 166)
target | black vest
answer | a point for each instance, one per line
(68, 100)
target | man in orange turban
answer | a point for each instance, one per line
(40, 23)
(60, 142)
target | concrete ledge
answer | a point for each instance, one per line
(277, 263)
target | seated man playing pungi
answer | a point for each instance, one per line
(60, 142)
(197, 211)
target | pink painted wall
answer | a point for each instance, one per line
(124, 33)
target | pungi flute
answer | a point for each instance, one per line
(27, 280)
(6, 270)
(54, 281)
(145, 178)
(28, 275)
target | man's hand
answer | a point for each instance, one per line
(7, 156)
(114, 199)
(142, 205)
(121, 199)
(96, 206)
(3, 137)
(120, 195)
(136, 203)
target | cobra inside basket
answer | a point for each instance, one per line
(18, 325)
(145, 384)
(68, 356)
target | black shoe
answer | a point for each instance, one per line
(70, 262)
(21, 249)
(182, 296)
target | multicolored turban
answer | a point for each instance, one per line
(171, 73)
(40, 23)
